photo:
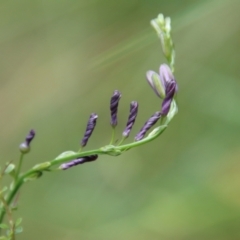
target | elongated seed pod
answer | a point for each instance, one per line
(131, 118)
(114, 107)
(148, 124)
(90, 127)
(78, 161)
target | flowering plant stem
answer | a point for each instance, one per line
(165, 87)
(39, 168)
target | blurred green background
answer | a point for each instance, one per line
(61, 60)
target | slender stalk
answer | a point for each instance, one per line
(11, 196)
(12, 224)
(103, 151)
(19, 166)
(121, 141)
(113, 136)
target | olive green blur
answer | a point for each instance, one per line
(60, 61)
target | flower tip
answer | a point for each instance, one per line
(165, 73)
(93, 116)
(117, 93)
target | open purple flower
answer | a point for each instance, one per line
(164, 85)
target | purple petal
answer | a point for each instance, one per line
(149, 76)
(166, 74)
(171, 89)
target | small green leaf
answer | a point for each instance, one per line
(172, 112)
(9, 233)
(42, 166)
(12, 185)
(156, 131)
(18, 222)
(18, 230)
(4, 226)
(32, 177)
(3, 238)
(4, 189)
(9, 168)
(14, 208)
(65, 154)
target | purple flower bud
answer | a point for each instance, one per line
(166, 74)
(150, 122)
(114, 107)
(164, 85)
(167, 77)
(166, 104)
(156, 83)
(90, 127)
(25, 146)
(30, 137)
(78, 161)
(131, 118)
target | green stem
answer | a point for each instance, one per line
(108, 150)
(11, 195)
(19, 166)
(113, 135)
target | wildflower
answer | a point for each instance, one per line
(90, 127)
(131, 118)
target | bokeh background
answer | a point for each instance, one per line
(61, 60)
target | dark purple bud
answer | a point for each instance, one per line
(114, 107)
(150, 122)
(170, 87)
(90, 127)
(170, 91)
(30, 137)
(25, 146)
(78, 161)
(131, 118)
